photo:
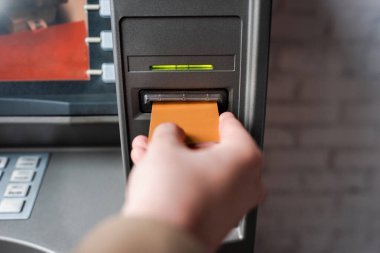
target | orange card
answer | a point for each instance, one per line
(199, 120)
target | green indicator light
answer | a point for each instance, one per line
(182, 67)
(163, 67)
(201, 67)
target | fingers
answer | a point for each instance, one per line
(137, 154)
(167, 135)
(139, 146)
(140, 141)
(232, 131)
(236, 142)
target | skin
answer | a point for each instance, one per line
(204, 190)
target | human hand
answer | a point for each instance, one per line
(204, 191)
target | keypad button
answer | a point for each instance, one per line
(16, 190)
(22, 176)
(27, 162)
(11, 205)
(3, 161)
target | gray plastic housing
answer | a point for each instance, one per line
(233, 36)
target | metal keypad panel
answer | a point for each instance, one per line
(21, 175)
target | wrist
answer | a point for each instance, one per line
(180, 220)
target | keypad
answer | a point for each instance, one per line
(20, 179)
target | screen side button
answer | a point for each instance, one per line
(108, 73)
(105, 8)
(106, 40)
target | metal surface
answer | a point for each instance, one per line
(59, 131)
(10, 245)
(80, 188)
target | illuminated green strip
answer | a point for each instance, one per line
(201, 67)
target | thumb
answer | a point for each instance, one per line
(232, 132)
(235, 140)
(167, 134)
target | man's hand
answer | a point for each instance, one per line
(205, 190)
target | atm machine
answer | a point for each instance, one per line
(74, 76)
(199, 50)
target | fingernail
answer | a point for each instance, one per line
(167, 127)
(226, 115)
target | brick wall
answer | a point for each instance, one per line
(322, 141)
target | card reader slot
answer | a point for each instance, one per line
(148, 97)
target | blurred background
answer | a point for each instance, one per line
(322, 142)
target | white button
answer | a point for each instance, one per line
(11, 205)
(22, 176)
(27, 162)
(105, 8)
(106, 40)
(3, 162)
(16, 190)
(108, 70)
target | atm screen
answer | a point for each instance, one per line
(43, 40)
(56, 58)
